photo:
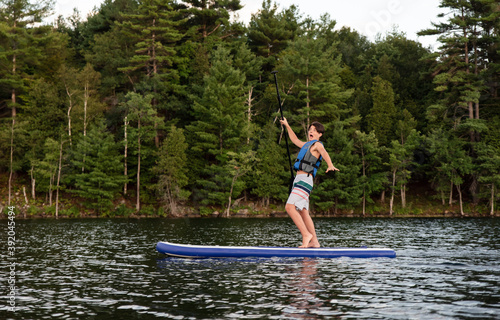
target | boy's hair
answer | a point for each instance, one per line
(319, 127)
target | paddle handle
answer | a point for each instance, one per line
(292, 177)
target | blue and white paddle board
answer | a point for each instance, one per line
(200, 251)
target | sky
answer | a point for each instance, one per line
(368, 17)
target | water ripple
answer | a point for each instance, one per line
(102, 269)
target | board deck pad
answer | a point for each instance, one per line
(205, 251)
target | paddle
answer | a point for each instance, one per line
(292, 177)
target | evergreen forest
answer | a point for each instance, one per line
(162, 107)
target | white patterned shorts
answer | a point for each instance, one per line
(302, 187)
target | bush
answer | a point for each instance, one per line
(122, 211)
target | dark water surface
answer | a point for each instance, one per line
(109, 269)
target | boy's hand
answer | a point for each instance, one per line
(284, 122)
(332, 169)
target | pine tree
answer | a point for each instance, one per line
(218, 124)
(171, 169)
(92, 107)
(239, 164)
(451, 161)
(110, 52)
(489, 163)
(250, 65)
(208, 25)
(155, 31)
(342, 189)
(270, 31)
(465, 73)
(312, 69)
(400, 162)
(154, 27)
(271, 174)
(143, 120)
(43, 115)
(46, 168)
(366, 145)
(102, 178)
(382, 115)
(467, 40)
(20, 52)
(211, 18)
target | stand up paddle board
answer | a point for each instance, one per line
(199, 251)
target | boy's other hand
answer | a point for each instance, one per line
(332, 169)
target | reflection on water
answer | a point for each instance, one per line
(109, 269)
(303, 304)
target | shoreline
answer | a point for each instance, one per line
(22, 212)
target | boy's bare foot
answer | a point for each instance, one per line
(314, 244)
(305, 241)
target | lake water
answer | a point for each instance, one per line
(109, 269)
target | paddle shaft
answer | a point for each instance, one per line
(292, 177)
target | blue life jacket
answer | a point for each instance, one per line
(306, 161)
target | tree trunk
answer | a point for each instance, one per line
(25, 197)
(473, 188)
(51, 185)
(307, 104)
(476, 72)
(59, 179)
(138, 203)
(249, 116)
(33, 182)
(450, 201)
(460, 199)
(492, 210)
(403, 195)
(69, 112)
(125, 173)
(391, 203)
(12, 148)
(14, 112)
(230, 195)
(364, 175)
(170, 199)
(86, 96)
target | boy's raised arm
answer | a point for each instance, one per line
(291, 134)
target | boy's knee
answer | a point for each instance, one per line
(304, 212)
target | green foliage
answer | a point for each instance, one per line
(192, 89)
(311, 69)
(171, 170)
(383, 113)
(342, 189)
(121, 211)
(97, 158)
(372, 174)
(45, 170)
(270, 31)
(154, 29)
(489, 164)
(219, 111)
(271, 174)
(450, 160)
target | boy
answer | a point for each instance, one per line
(306, 165)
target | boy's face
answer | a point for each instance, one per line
(313, 134)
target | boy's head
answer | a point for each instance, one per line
(315, 131)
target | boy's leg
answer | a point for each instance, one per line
(299, 222)
(304, 213)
